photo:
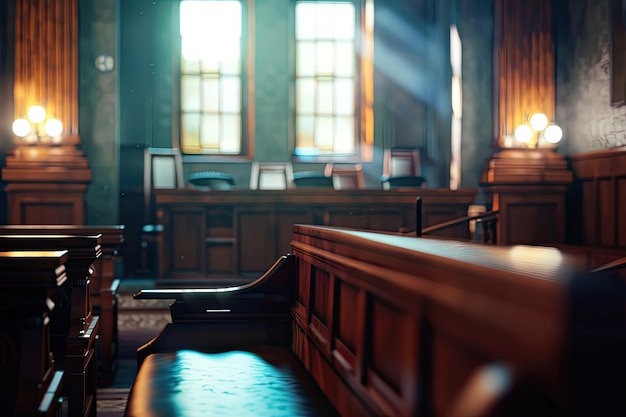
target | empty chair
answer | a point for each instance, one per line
(271, 176)
(211, 180)
(163, 169)
(312, 179)
(345, 176)
(402, 168)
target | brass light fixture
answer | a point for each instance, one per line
(36, 129)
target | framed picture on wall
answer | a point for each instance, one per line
(618, 52)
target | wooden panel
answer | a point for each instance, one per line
(589, 213)
(392, 358)
(349, 329)
(601, 177)
(256, 239)
(457, 363)
(532, 224)
(187, 226)
(321, 303)
(620, 201)
(284, 226)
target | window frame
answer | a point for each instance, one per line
(247, 88)
(363, 97)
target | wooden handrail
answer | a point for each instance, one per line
(491, 215)
(614, 265)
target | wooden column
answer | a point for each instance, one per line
(528, 185)
(46, 181)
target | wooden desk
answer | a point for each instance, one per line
(240, 233)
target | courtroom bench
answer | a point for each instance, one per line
(31, 383)
(73, 326)
(391, 325)
(103, 288)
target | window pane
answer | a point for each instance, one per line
(305, 95)
(190, 92)
(211, 34)
(344, 96)
(326, 77)
(344, 138)
(231, 95)
(324, 101)
(210, 94)
(231, 134)
(324, 57)
(209, 132)
(344, 59)
(189, 66)
(324, 132)
(305, 56)
(191, 129)
(344, 17)
(305, 131)
(305, 21)
(324, 22)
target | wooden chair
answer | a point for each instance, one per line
(271, 176)
(163, 169)
(345, 176)
(402, 168)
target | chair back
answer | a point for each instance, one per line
(271, 176)
(402, 162)
(345, 176)
(162, 169)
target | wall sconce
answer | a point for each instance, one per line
(36, 129)
(538, 130)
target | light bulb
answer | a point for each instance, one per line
(53, 127)
(553, 134)
(538, 121)
(36, 114)
(523, 133)
(21, 127)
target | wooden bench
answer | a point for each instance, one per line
(103, 287)
(73, 326)
(31, 383)
(391, 325)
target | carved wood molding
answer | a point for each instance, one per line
(46, 61)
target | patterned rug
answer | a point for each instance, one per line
(112, 401)
(138, 322)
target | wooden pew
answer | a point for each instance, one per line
(103, 287)
(73, 326)
(31, 383)
(390, 325)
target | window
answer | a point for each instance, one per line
(333, 84)
(211, 81)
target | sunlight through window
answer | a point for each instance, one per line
(210, 84)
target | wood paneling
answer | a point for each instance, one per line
(240, 233)
(598, 200)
